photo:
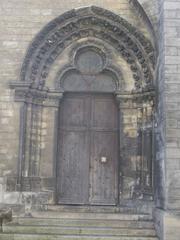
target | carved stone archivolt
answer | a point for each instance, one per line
(95, 22)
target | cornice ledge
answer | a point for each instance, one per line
(25, 92)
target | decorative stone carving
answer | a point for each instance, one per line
(137, 149)
(34, 100)
(92, 21)
(89, 72)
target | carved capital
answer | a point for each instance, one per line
(135, 100)
(25, 92)
(124, 100)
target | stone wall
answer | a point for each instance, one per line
(172, 102)
(168, 101)
(20, 22)
(160, 117)
(168, 152)
(151, 9)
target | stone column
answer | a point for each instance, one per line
(21, 90)
(146, 126)
(49, 141)
(33, 108)
(135, 146)
(39, 109)
(128, 146)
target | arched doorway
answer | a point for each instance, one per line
(88, 149)
(88, 61)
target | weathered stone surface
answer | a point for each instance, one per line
(74, 225)
(5, 216)
(20, 22)
(167, 225)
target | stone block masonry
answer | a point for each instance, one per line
(20, 22)
(168, 221)
(172, 99)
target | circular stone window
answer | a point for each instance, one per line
(89, 61)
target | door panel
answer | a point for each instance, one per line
(104, 150)
(103, 168)
(75, 111)
(88, 150)
(104, 112)
(73, 169)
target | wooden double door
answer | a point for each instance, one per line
(87, 169)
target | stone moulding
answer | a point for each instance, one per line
(24, 92)
(95, 22)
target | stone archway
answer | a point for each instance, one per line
(130, 68)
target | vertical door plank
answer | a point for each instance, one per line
(73, 169)
(103, 174)
(104, 150)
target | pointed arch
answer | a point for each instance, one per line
(131, 44)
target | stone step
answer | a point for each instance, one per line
(80, 215)
(55, 225)
(91, 231)
(5, 236)
(93, 209)
(82, 222)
